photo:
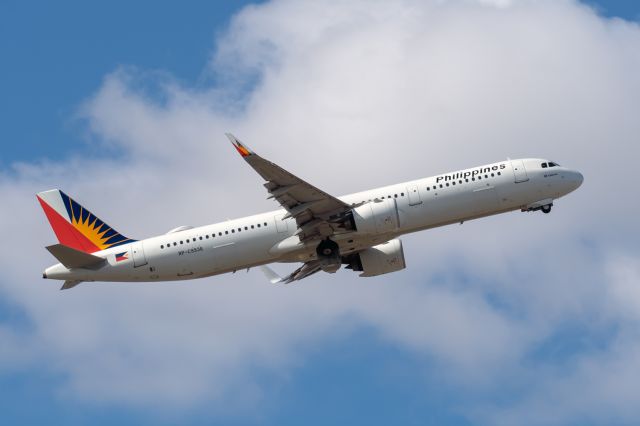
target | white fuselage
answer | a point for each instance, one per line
(265, 238)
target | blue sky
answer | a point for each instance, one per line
(58, 54)
(57, 59)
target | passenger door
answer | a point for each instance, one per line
(137, 251)
(519, 172)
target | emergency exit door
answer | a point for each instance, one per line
(414, 195)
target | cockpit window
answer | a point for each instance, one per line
(543, 165)
(552, 164)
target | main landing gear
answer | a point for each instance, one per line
(546, 209)
(328, 253)
(328, 248)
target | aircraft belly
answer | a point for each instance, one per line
(232, 255)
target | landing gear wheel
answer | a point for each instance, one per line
(328, 249)
(546, 209)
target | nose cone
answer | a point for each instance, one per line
(578, 179)
(575, 179)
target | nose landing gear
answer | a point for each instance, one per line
(544, 205)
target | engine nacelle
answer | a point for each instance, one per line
(380, 259)
(376, 218)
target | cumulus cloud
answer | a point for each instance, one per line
(350, 96)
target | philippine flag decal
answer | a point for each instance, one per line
(122, 256)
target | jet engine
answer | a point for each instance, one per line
(377, 260)
(376, 217)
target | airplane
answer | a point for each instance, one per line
(312, 227)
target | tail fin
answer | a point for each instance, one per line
(77, 227)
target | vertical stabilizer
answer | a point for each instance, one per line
(77, 227)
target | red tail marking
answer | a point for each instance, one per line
(242, 150)
(66, 233)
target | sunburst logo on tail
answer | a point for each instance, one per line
(95, 230)
(91, 229)
(77, 227)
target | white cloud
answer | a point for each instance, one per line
(350, 96)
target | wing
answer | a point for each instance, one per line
(317, 213)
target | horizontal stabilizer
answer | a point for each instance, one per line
(70, 284)
(72, 258)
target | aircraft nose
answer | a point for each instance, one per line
(579, 179)
(576, 179)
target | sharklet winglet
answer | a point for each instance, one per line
(271, 275)
(242, 149)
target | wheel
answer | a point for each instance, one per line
(328, 249)
(546, 209)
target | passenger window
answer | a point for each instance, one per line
(499, 173)
(207, 236)
(226, 232)
(246, 228)
(402, 194)
(493, 175)
(428, 189)
(251, 226)
(258, 225)
(175, 244)
(233, 231)
(219, 234)
(161, 247)
(181, 242)
(440, 185)
(265, 224)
